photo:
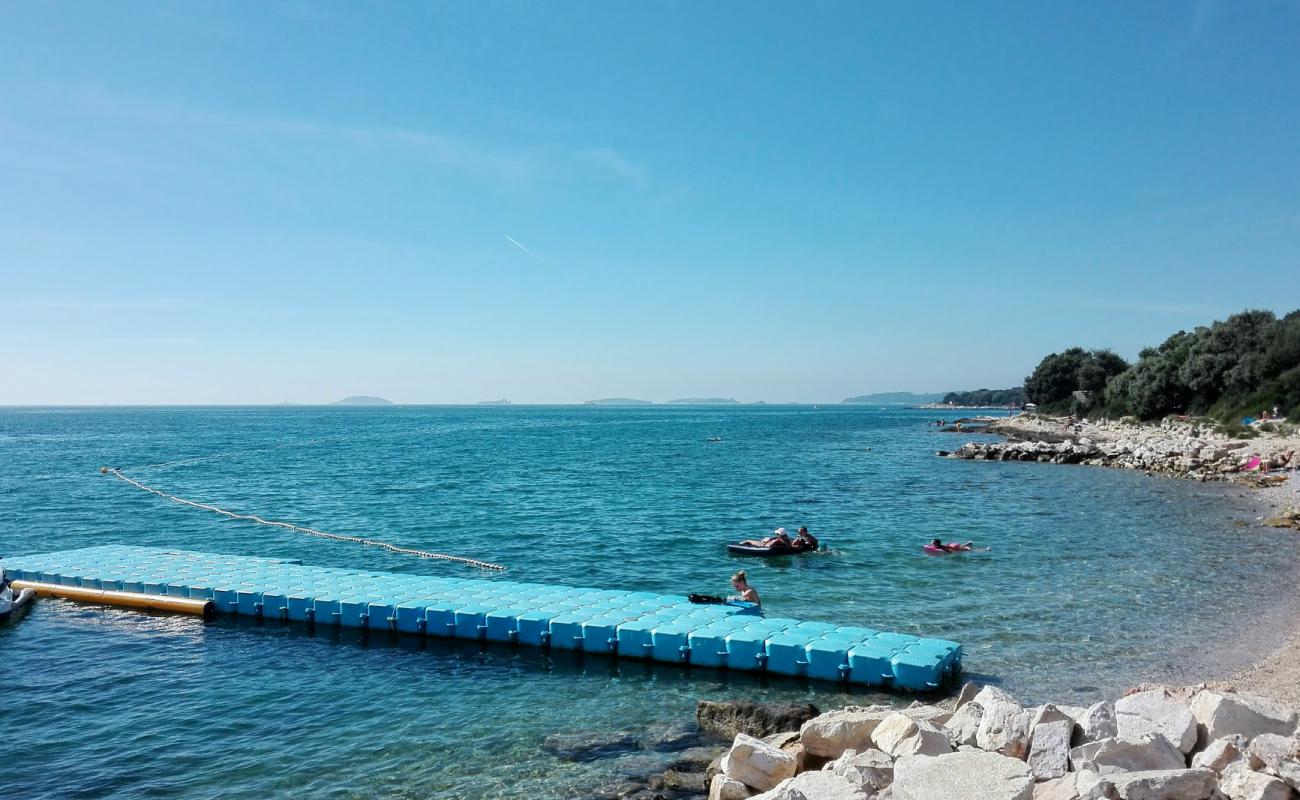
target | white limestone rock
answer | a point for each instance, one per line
(1004, 725)
(724, 788)
(900, 735)
(1156, 711)
(962, 776)
(964, 725)
(872, 769)
(1111, 756)
(1098, 722)
(966, 695)
(1269, 752)
(1085, 785)
(1241, 783)
(1049, 749)
(1047, 713)
(816, 786)
(1170, 784)
(829, 735)
(1221, 752)
(756, 763)
(1218, 714)
(929, 713)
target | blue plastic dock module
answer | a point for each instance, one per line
(640, 625)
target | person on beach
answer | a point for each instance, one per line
(804, 540)
(778, 538)
(747, 593)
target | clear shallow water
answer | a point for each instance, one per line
(1091, 571)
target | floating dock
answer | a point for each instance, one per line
(636, 625)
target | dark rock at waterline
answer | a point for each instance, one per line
(671, 738)
(725, 719)
(589, 745)
(695, 759)
(682, 782)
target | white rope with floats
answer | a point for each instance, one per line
(117, 472)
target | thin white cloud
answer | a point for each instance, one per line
(612, 162)
(525, 249)
(505, 163)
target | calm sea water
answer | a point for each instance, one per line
(1091, 573)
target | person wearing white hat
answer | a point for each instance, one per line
(779, 538)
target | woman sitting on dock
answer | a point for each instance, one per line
(747, 593)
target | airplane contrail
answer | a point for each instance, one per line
(525, 249)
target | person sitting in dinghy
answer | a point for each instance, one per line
(779, 538)
(804, 540)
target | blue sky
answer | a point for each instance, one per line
(256, 202)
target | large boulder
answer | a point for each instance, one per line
(1221, 752)
(899, 735)
(1156, 711)
(1085, 785)
(1047, 713)
(1218, 714)
(966, 695)
(872, 769)
(1268, 751)
(1241, 783)
(1111, 756)
(726, 719)
(1004, 725)
(1049, 749)
(1169, 784)
(816, 786)
(1098, 722)
(724, 788)
(757, 764)
(829, 735)
(929, 713)
(963, 727)
(972, 775)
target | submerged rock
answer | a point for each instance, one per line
(589, 745)
(725, 719)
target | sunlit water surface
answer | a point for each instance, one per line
(1096, 579)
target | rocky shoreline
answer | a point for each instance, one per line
(1155, 743)
(1189, 450)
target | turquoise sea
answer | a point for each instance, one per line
(1096, 579)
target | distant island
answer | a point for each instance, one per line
(618, 401)
(896, 399)
(362, 400)
(703, 401)
(501, 402)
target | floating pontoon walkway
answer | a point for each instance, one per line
(640, 625)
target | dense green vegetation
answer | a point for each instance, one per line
(987, 397)
(1233, 368)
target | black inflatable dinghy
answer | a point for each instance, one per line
(755, 550)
